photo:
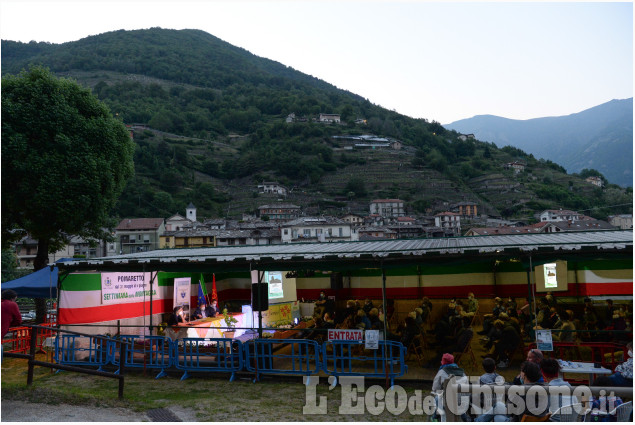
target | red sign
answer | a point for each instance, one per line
(346, 334)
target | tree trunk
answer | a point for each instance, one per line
(41, 261)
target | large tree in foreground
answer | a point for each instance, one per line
(65, 160)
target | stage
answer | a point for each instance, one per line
(211, 327)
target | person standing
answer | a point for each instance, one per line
(10, 312)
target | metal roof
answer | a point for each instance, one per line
(358, 254)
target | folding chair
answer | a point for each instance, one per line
(530, 418)
(623, 412)
(416, 348)
(568, 413)
(467, 352)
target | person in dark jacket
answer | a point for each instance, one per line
(203, 311)
(509, 340)
(176, 317)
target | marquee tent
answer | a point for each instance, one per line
(39, 284)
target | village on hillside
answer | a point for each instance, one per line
(280, 223)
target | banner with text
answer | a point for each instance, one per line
(117, 288)
(346, 335)
(182, 291)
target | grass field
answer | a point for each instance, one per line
(211, 397)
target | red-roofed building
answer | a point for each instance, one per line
(138, 234)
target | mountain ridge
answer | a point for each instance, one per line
(229, 109)
(575, 141)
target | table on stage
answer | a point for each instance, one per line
(211, 327)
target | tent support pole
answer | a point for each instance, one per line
(383, 301)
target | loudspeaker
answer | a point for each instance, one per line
(259, 303)
(336, 281)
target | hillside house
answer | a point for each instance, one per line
(354, 219)
(272, 187)
(516, 166)
(138, 234)
(448, 220)
(387, 207)
(560, 215)
(465, 209)
(318, 229)
(407, 231)
(623, 221)
(465, 137)
(279, 212)
(595, 180)
(26, 250)
(329, 118)
(176, 222)
(371, 233)
(188, 238)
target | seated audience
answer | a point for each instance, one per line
(529, 375)
(410, 331)
(419, 317)
(472, 305)
(320, 305)
(567, 329)
(490, 376)
(507, 343)
(604, 404)
(551, 374)
(426, 306)
(623, 376)
(368, 306)
(362, 321)
(448, 368)
(533, 356)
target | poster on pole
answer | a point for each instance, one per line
(544, 340)
(182, 290)
(372, 339)
(118, 288)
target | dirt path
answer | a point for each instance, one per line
(21, 411)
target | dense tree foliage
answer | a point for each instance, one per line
(65, 160)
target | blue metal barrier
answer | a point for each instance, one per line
(293, 356)
(152, 352)
(82, 350)
(207, 355)
(348, 358)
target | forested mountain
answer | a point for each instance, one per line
(214, 126)
(600, 138)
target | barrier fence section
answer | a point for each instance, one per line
(19, 339)
(282, 356)
(152, 352)
(83, 350)
(207, 355)
(348, 358)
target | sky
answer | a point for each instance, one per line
(436, 60)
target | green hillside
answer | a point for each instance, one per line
(214, 126)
